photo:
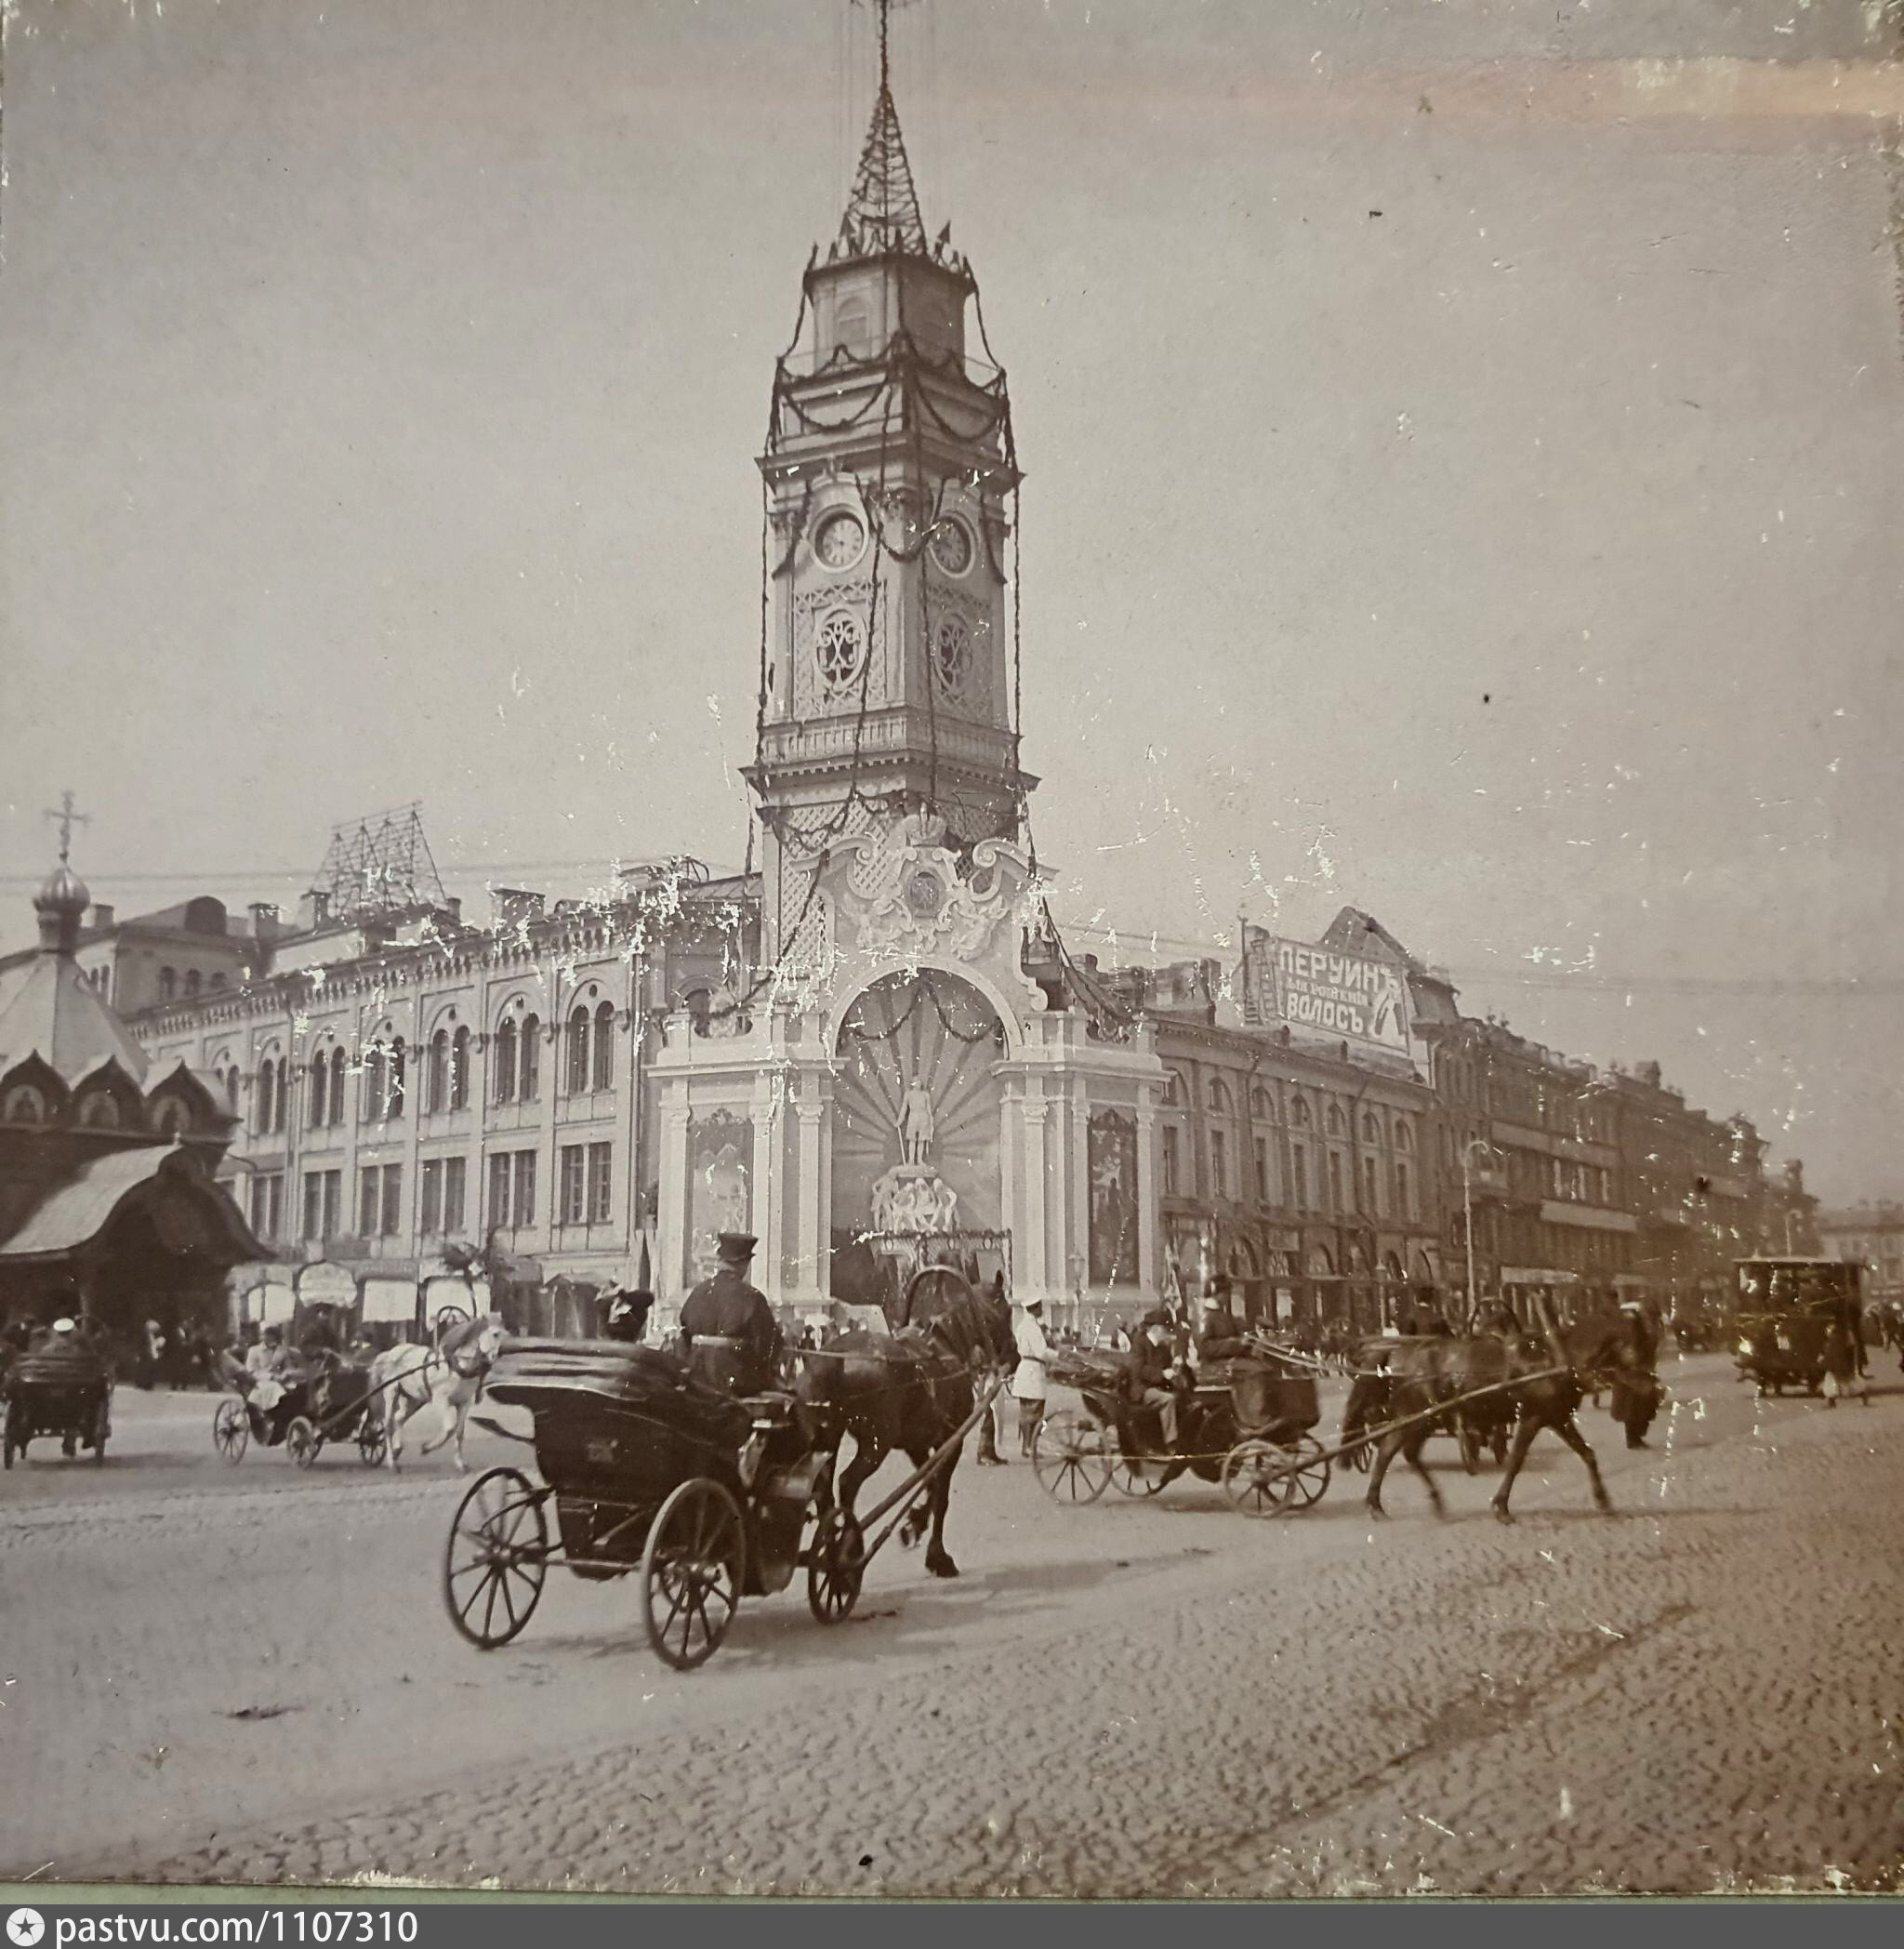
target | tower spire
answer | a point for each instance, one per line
(882, 211)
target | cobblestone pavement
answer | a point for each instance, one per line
(1128, 1699)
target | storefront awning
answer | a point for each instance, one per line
(168, 1183)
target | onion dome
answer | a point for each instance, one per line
(61, 903)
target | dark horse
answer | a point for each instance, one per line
(1425, 1375)
(910, 1390)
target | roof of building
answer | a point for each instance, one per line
(76, 1213)
(54, 1011)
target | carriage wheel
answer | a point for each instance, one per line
(372, 1444)
(1067, 1457)
(230, 1430)
(1361, 1458)
(1312, 1470)
(1134, 1477)
(303, 1440)
(1259, 1478)
(692, 1568)
(498, 1554)
(835, 1566)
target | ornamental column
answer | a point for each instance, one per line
(1149, 1269)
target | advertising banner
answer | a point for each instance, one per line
(1342, 995)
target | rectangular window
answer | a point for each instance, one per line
(1339, 1203)
(1371, 1207)
(532, 1061)
(257, 1207)
(274, 1205)
(313, 1204)
(431, 1219)
(1219, 1164)
(452, 1194)
(1169, 1159)
(369, 1184)
(392, 1200)
(1263, 1171)
(1298, 1176)
(1404, 1207)
(499, 1188)
(525, 1187)
(574, 1160)
(333, 1203)
(600, 1191)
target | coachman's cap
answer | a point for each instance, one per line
(737, 1246)
(1156, 1317)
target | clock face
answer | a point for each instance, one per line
(839, 540)
(952, 546)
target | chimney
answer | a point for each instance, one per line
(455, 904)
(515, 906)
(103, 914)
(264, 920)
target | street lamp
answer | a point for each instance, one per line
(1468, 1150)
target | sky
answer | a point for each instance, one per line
(1463, 448)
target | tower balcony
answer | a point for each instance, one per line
(904, 737)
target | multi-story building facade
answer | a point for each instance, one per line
(1870, 1235)
(178, 953)
(439, 1084)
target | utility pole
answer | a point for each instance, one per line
(1468, 1150)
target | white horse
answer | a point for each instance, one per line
(449, 1377)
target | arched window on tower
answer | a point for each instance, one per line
(506, 1061)
(603, 1078)
(436, 1075)
(336, 1086)
(850, 334)
(459, 1070)
(577, 1080)
(530, 1085)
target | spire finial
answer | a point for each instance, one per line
(882, 213)
(68, 819)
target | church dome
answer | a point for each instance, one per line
(63, 892)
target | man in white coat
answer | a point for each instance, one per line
(1030, 1384)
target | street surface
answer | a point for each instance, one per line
(215, 1673)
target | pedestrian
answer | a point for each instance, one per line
(1030, 1384)
(1842, 1377)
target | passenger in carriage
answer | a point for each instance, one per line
(627, 1315)
(1218, 1337)
(1148, 1371)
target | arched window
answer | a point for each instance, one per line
(394, 1101)
(849, 332)
(215, 984)
(506, 1061)
(370, 1107)
(23, 1104)
(168, 984)
(1173, 1087)
(1298, 1112)
(1219, 1096)
(232, 1090)
(193, 981)
(603, 1078)
(436, 1078)
(531, 1081)
(1260, 1104)
(577, 1080)
(1336, 1124)
(1372, 1131)
(169, 1117)
(1404, 1137)
(280, 1079)
(320, 1076)
(337, 1085)
(100, 1110)
(266, 1097)
(459, 1070)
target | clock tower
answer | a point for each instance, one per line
(887, 680)
(895, 1086)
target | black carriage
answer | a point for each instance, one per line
(1787, 1308)
(648, 1472)
(1246, 1425)
(58, 1392)
(334, 1403)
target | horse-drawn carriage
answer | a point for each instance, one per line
(1245, 1426)
(650, 1472)
(1787, 1309)
(333, 1401)
(63, 1391)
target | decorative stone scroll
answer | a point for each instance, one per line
(907, 894)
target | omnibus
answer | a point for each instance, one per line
(1784, 1309)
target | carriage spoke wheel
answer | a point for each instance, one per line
(372, 1444)
(1470, 1440)
(496, 1560)
(1312, 1470)
(1361, 1458)
(691, 1572)
(303, 1440)
(835, 1566)
(1069, 1458)
(232, 1430)
(1135, 1475)
(1259, 1478)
